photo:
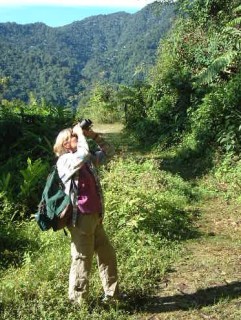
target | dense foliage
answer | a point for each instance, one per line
(193, 92)
(27, 136)
(59, 64)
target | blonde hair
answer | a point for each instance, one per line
(62, 137)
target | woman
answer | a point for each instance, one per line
(76, 163)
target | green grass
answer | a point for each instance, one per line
(37, 280)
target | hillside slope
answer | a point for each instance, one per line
(57, 64)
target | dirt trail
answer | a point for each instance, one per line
(206, 282)
(108, 128)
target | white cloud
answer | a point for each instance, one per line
(97, 3)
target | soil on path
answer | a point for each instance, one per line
(206, 282)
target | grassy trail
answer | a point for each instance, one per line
(206, 282)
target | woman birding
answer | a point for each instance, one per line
(75, 162)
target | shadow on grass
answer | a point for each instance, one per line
(188, 164)
(13, 245)
(122, 142)
(201, 298)
(175, 225)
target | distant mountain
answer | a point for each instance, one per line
(57, 64)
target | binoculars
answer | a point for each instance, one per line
(85, 124)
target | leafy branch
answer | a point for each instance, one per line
(221, 63)
(218, 65)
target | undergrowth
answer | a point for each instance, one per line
(224, 179)
(147, 215)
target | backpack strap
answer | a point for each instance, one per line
(74, 200)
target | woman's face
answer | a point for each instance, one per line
(71, 144)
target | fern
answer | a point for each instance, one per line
(237, 9)
(218, 65)
(233, 31)
(222, 62)
(233, 26)
(235, 22)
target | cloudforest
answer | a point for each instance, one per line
(172, 189)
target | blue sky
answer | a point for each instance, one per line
(55, 13)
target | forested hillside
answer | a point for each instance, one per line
(58, 64)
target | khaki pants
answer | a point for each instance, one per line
(89, 237)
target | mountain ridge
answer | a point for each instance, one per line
(59, 63)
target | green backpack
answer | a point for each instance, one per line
(55, 208)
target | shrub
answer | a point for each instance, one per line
(145, 209)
